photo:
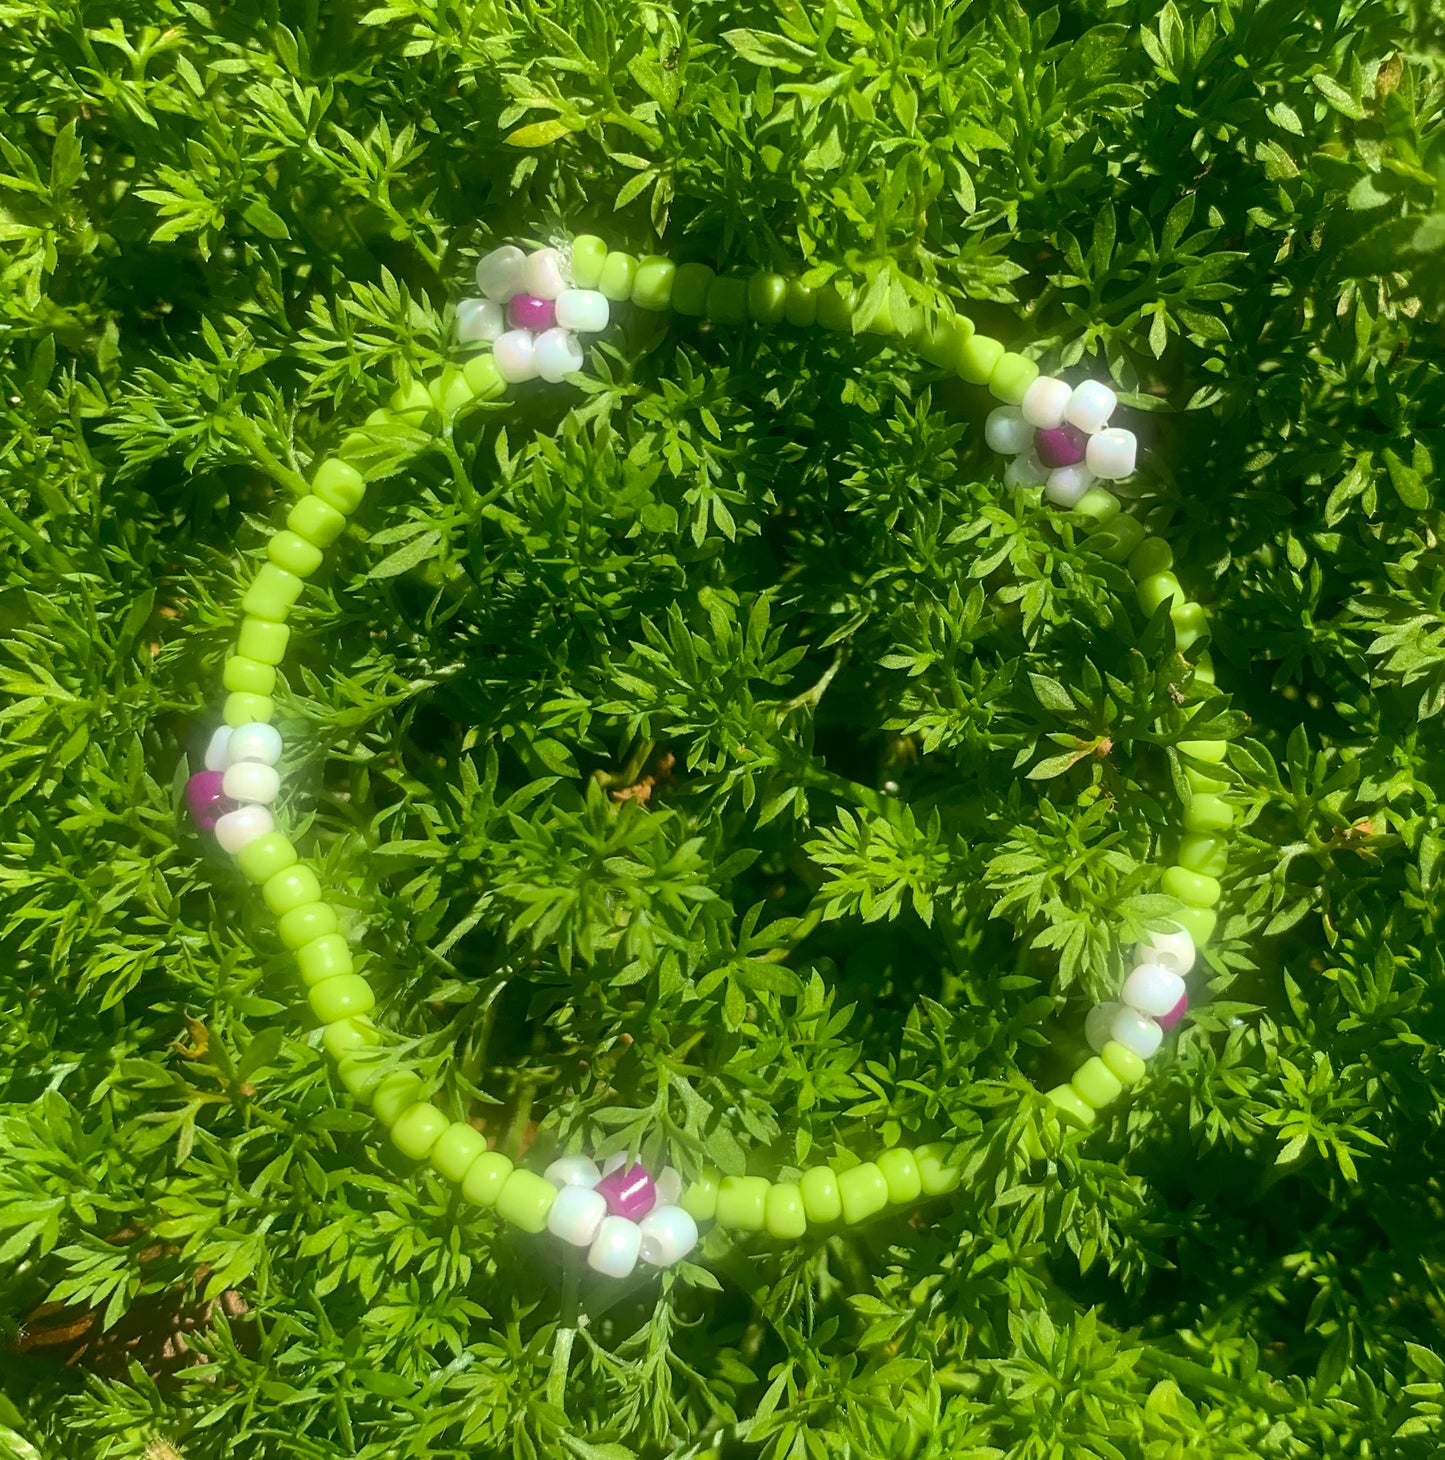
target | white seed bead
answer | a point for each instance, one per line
(614, 1162)
(668, 1187)
(1045, 402)
(557, 355)
(1026, 470)
(242, 826)
(1090, 405)
(545, 275)
(252, 782)
(1066, 484)
(1007, 432)
(254, 742)
(615, 1248)
(1111, 453)
(1152, 989)
(1098, 1023)
(1172, 949)
(584, 310)
(573, 1171)
(576, 1215)
(515, 356)
(501, 273)
(1136, 1031)
(480, 321)
(216, 749)
(668, 1234)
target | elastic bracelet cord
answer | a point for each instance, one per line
(525, 325)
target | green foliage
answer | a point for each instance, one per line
(717, 759)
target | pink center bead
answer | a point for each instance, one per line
(204, 799)
(1169, 1020)
(527, 312)
(629, 1193)
(1061, 446)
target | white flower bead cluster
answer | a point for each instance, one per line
(1153, 998)
(660, 1236)
(530, 314)
(247, 755)
(1060, 439)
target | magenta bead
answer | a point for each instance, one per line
(204, 799)
(527, 312)
(629, 1193)
(1169, 1020)
(1062, 446)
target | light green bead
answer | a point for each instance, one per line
(652, 287)
(339, 485)
(487, 1177)
(456, 1150)
(418, 1129)
(1153, 555)
(324, 958)
(526, 1199)
(786, 1217)
(412, 402)
(1207, 854)
(304, 924)
(742, 1203)
(699, 1201)
(359, 1076)
(316, 521)
(291, 551)
(727, 301)
(835, 307)
(976, 358)
(272, 594)
(1198, 781)
(1011, 377)
(341, 998)
(1099, 505)
(346, 1036)
(291, 887)
(941, 340)
(1208, 814)
(801, 308)
(483, 378)
(1126, 1066)
(883, 322)
(1156, 589)
(450, 391)
(767, 298)
(264, 856)
(248, 676)
(262, 640)
(589, 254)
(395, 1095)
(1096, 1084)
(900, 1170)
(689, 289)
(1193, 888)
(1204, 669)
(242, 708)
(1198, 922)
(1115, 541)
(1191, 623)
(618, 275)
(1074, 1110)
(863, 1191)
(821, 1200)
(936, 1171)
(1211, 752)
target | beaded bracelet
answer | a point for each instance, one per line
(531, 310)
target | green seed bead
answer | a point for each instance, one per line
(248, 709)
(1012, 375)
(525, 1200)
(937, 1173)
(1206, 854)
(801, 308)
(1206, 814)
(248, 676)
(341, 998)
(1191, 623)
(359, 1076)
(835, 307)
(316, 521)
(1153, 555)
(459, 1147)
(785, 1217)
(324, 958)
(976, 358)
(1159, 588)
(821, 1200)
(1095, 1083)
(1198, 781)
(689, 289)
(652, 288)
(395, 1095)
(264, 856)
(412, 402)
(346, 1036)
(292, 887)
(487, 1177)
(883, 322)
(742, 1203)
(941, 340)
(617, 278)
(450, 391)
(1099, 505)
(418, 1129)
(699, 1201)
(304, 924)
(589, 254)
(1212, 752)
(863, 1191)
(291, 551)
(339, 484)
(1193, 888)
(1115, 542)
(900, 1170)
(1074, 1110)
(1125, 1066)
(272, 594)
(727, 301)
(1204, 669)
(262, 640)
(1198, 922)
(767, 298)
(483, 378)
